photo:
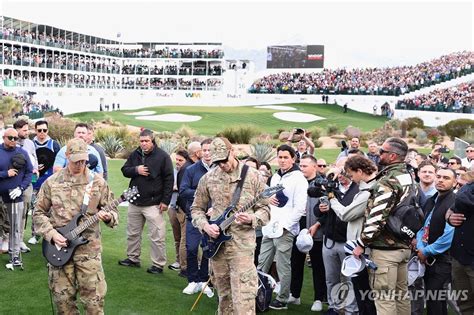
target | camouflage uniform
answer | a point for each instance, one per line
(234, 272)
(59, 200)
(390, 254)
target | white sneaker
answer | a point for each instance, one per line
(24, 248)
(293, 300)
(175, 266)
(276, 289)
(193, 287)
(207, 291)
(33, 240)
(317, 306)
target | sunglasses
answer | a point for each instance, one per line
(382, 151)
(452, 163)
(42, 130)
(12, 138)
(322, 165)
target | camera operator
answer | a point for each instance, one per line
(462, 246)
(334, 230)
(305, 145)
(362, 171)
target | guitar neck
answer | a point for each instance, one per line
(227, 222)
(94, 219)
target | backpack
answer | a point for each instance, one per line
(406, 219)
(264, 292)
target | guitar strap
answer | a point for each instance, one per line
(238, 189)
(87, 193)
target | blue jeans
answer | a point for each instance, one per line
(195, 272)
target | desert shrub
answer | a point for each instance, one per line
(130, 144)
(414, 122)
(186, 132)
(332, 129)
(433, 134)
(240, 133)
(317, 143)
(394, 123)
(404, 128)
(314, 132)
(168, 146)
(352, 132)
(164, 135)
(366, 136)
(112, 146)
(382, 134)
(263, 152)
(61, 129)
(457, 127)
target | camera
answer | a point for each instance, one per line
(299, 131)
(323, 186)
(443, 150)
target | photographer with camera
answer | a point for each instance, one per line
(305, 145)
(334, 230)
(362, 171)
(436, 156)
(15, 176)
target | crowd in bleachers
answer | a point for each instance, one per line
(459, 99)
(28, 105)
(61, 42)
(369, 81)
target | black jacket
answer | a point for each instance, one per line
(157, 187)
(462, 247)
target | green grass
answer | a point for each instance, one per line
(130, 290)
(215, 119)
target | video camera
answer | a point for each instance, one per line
(323, 186)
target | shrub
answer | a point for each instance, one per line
(421, 138)
(352, 132)
(112, 146)
(168, 146)
(458, 127)
(314, 132)
(332, 129)
(240, 133)
(186, 132)
(394, 123)
(404, 128)
(317, 143)
(415, 122)
(263, 152)
(382, 134)
(130, 144)
(61, 129)
(433, 134)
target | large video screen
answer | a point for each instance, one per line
(311, 56)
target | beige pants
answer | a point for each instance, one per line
(389, 281)
(178, 223)
(137, 216)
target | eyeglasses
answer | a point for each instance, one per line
(322, 165)
(80, 162)
(42, 130)
(12, 138)
(382, 151)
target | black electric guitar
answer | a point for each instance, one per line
(210, 246)
(59, 256)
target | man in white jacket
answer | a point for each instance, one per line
(287, 207)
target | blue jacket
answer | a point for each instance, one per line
(189, 183)
(22, 179)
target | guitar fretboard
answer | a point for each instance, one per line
(91, 220)
(227, 222)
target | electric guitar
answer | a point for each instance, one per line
(210, 246)
(59, 256)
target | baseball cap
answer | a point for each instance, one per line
(351, 265)
(220, 148)
(304, 241)
(76, 150)
(415, 270)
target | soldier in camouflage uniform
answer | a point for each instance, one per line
(59, 200)
(390, 254)
(234, 273)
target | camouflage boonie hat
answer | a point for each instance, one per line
(220, 148)
(76, 150)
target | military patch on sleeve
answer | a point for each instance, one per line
(404, 179)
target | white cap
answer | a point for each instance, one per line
(416, 270)
(304, 241)
(352, 265)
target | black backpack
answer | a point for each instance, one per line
(407, 218)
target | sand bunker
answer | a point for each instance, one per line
(296, 117)
(277, 107)
(171, 118)
(142, 113)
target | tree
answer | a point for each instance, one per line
(9, 106)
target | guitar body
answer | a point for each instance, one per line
(210, 246)
(59, 257)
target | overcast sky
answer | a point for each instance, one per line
(354, 33)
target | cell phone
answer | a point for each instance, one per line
(443, 150)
